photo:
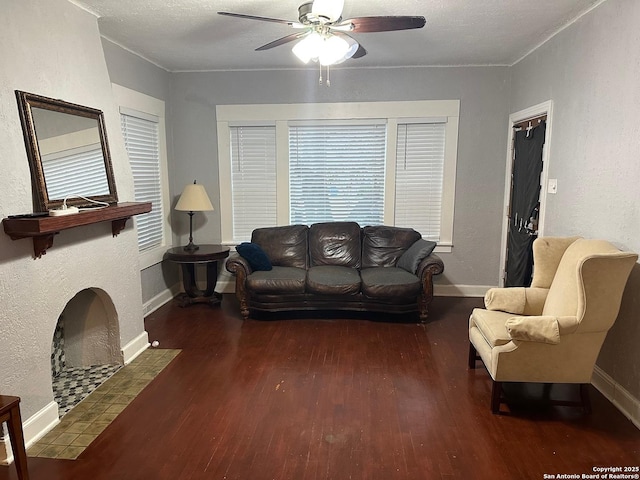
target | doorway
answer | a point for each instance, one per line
(525, 192)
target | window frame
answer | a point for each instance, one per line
(128, 99)
(393, 113)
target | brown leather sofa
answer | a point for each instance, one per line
(338, 266)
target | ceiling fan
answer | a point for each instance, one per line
(325, 37)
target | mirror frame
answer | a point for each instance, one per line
(41, 200)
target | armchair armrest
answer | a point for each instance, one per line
(520, 300)
(541, 328)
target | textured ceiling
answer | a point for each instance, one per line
(188, 35)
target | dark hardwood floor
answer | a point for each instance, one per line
(307, 399)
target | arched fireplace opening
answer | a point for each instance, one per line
(86, 347)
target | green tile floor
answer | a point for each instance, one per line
(80, 426)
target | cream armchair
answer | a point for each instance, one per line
(552, 331)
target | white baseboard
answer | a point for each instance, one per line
(159, 300)
(135, 347)
(33, 429)
(460, 290)
(618, 395)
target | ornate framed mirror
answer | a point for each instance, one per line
(68, 152)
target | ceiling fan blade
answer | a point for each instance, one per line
(262, 19)
(383, 24)
(281, 41)
(361, 52)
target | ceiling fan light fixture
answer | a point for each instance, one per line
(309, 47)
(334, 50)
(331, 10)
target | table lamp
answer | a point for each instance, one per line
(194, 198)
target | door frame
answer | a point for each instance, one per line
(544, 108)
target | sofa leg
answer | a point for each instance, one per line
(496, 395)
(473, 356)
(423, 309)
(244, 309)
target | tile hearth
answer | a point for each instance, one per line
(86, 420)
(72, 385)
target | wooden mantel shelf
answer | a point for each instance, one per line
(43, 229)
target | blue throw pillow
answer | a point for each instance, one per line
(253, 253)
(417, 252)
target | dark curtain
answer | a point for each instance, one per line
(525, 197)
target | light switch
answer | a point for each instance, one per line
(552, 186)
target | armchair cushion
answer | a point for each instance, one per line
(417, 252)
(544, 329)
(254, 254)
(491, 324)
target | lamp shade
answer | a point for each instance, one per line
(194, 198)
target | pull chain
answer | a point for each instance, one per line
(320, 80)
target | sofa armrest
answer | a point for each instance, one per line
(241, 269)
(429, 266)
(520, 300)
(236, 263)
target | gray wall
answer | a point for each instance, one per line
(53, 49)
(590, 71)
(131, 71)
(483, 94)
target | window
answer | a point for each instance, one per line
(336, 173)
(141, 141)
(419, 177)
(387, 163)
(253, 178)
(142, 122)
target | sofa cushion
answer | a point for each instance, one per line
(254, 255)
(285, 246)
(417, 252)
(383, 245)
(335, 243)
(333, 280)
(389, 282)
(281, 280)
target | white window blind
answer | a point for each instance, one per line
(253, 178)
(140, 133)
(78, 171)
(419, 177)
(336, 173)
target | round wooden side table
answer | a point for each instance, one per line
(208, 255)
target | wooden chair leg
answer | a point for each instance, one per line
(10, 413)
(496, 395)
(473, 356)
